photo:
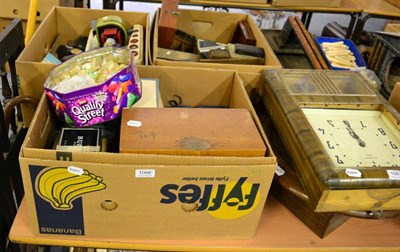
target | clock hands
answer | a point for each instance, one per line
(353, 134)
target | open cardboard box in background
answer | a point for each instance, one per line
(61, 25)
(10, 10)
(4, 22)
(147, 194)
(219, 27)
(20, 8)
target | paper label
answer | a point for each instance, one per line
(75, 170)
(134, 123)
(148, 173)
(353, 173)
(393, 174)
(279, 171)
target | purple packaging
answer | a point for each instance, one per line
(93, 87)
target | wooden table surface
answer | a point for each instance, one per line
(376, 7)
(278, 230)
(381, 7)
(347, 6)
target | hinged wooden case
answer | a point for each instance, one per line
(190, 131)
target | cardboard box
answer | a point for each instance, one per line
(61, 25)
(306, 3)
(20, 8)
(6, 21)
(151, 196)
(219, 27)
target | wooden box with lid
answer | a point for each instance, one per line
(190, 131)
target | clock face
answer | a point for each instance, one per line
(356, 138)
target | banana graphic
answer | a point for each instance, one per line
(92, 185)
(50, 177)
(60, 187)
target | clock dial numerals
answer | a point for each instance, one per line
(329, 144)
(356, 138)
(382, 131)
(338, 160)
(353, 133)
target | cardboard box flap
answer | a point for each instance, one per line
(74, 20)
(189, 86)
(40, 43)
(147, 161)
(144, 159)
(25, 70)
(254, 82)
(196, 24)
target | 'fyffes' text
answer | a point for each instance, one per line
(238, 196)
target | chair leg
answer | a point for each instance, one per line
(4, 140)
(8, 208)
(13, 165)
(7, 94)
(5, 85)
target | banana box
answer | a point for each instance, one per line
(119, 196)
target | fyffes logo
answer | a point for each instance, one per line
(224, 201)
